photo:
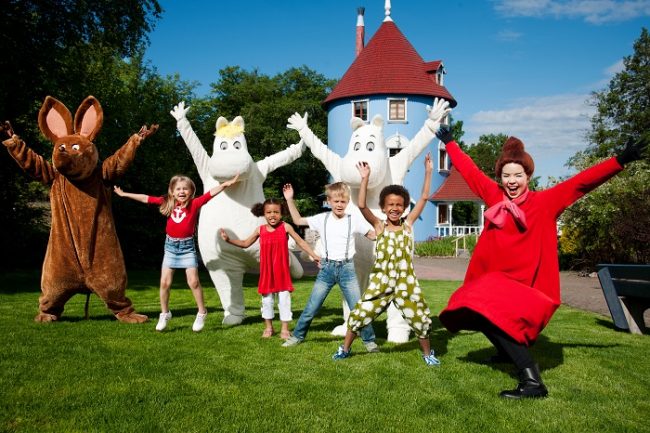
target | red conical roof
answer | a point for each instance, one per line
(454, 188)
(389, 65)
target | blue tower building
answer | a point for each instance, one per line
(388, 77)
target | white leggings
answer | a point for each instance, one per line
(284, 305)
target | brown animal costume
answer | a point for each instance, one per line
(83, 253)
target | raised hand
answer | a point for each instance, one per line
(296, 122)
(146, 132)
(428, 163)
(287, 191)
(179, 111)
(444, 134)
(5, 128)
(364, 169)
(633, 151)
(439, 110)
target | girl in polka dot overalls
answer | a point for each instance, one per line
(392, 278)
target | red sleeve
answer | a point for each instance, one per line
(477, 181)
(566, 193)
(155, 200)
(201, 200)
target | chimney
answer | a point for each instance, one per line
(361, 31)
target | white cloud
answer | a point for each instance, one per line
(546, 124)
(592, 11)
(608, 73)
(614, 69)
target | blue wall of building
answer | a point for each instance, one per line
(339, 115)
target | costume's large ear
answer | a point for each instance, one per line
(54, 119)
(238, 122)
(356, 123)
(221, 122)
(89, 118)
(378, 121)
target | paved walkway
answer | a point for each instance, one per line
(578, 291)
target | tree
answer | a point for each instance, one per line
(62, 48)
(612, 224)
(266, 103)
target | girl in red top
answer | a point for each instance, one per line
(512, 285)
(274, 262)
(182, 212)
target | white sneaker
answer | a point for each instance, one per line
(162, 320)
(199, 322)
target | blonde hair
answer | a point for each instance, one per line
(230, 130)
(337, 188)
(167, 205)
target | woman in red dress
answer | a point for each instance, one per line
(512, 284)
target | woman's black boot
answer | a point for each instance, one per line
(530, 385)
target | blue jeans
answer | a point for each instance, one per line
(331, 273)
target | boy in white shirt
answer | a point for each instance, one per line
(337, 229)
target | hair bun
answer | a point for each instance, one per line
(513, 151)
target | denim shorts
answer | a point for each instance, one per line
(180, 253)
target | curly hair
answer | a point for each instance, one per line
(258, 208)
(397, 190)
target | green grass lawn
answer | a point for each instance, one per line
(100, 375)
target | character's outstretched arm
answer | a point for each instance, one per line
(31, 162)
(330, 159)
(115, 165)
(282, 158)
(199, 155)
(400, 163)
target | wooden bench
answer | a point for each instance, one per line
(627, 292)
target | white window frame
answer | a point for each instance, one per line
(406, 114)
(367, 102)
(443, 159)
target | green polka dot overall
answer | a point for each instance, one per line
(393, 280)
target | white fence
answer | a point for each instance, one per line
(446, 230)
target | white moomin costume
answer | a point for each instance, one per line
(231, 209)
(367, 144)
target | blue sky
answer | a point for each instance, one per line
(519, 67)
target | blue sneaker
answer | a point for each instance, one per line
(341, 354)
(431, 359)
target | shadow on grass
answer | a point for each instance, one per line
(549, 354)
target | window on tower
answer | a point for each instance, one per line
(360, 109)
(397, 110)
(442, 160)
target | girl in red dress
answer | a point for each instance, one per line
(512, 285)
(275, 279)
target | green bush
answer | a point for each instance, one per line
(443, 247)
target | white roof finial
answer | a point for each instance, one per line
(387, 8)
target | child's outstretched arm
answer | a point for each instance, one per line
(223, 185)
(142, 198)
(287, 191)
(302, 243)
(364, 171)
(242, 243)
(422, 201)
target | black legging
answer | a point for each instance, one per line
(517, 352)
